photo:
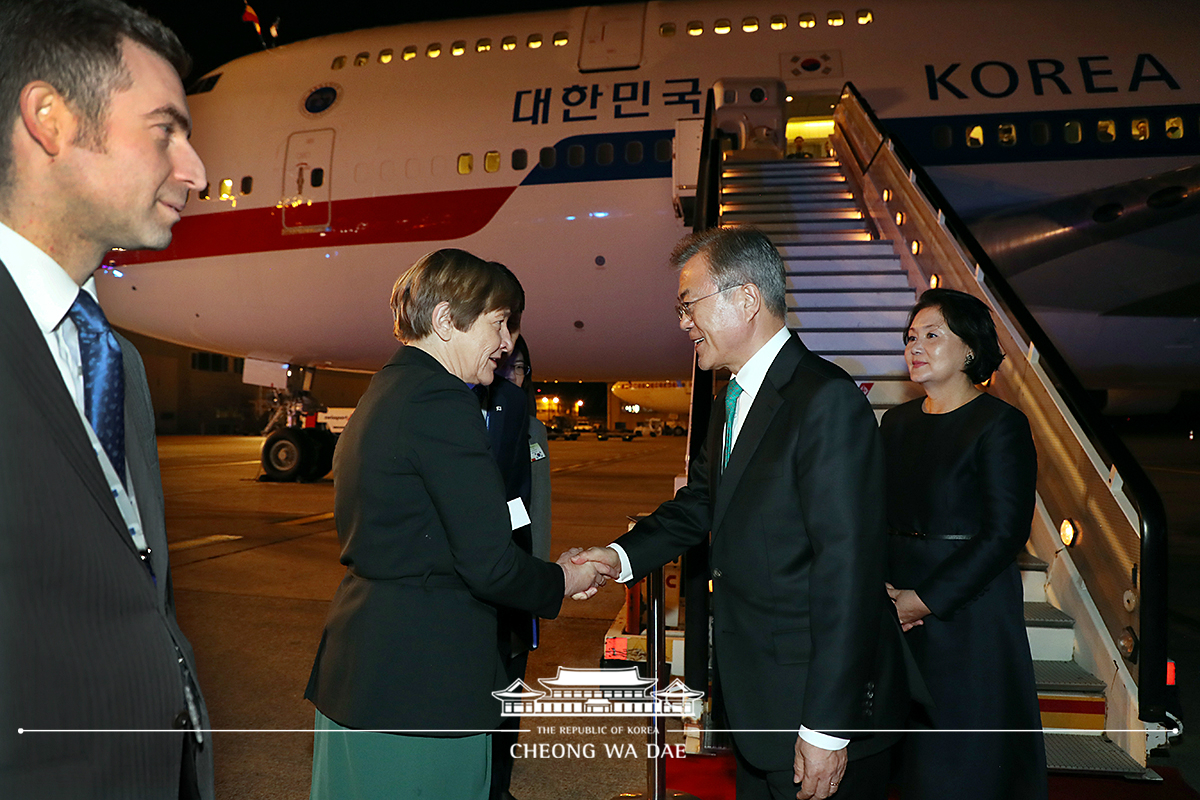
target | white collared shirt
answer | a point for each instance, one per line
(49, 293)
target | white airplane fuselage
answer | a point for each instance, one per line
(299, 268)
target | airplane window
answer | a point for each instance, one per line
(836, 19)
(458, 48)
(1073, 132)
(778, 22)
(434, 50)
(338, 62)
(666, 29)
(662, 150)
(548, 158)
(633, 152)
(1140, 130)
(750, 24)
(943, 138)
(508, 43)
(534, 41)
(575, 155)
(466, 162)
(227, 189)
(361, 58)
(204, 195)
(1175, 128)
(483, 45)
(864, 16)
(1039, 133)
(1106, 130)
(1007, 135)
(520, 159)
(975, 136)
(316, 177)
(410, 53)
(695, 28)
(491, 161)
(247, 185)
(722, 27)
(604, 154)
(808, 20)
(560, 39)
(385, 56)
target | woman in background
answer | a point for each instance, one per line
(519, 371)
(961, 474)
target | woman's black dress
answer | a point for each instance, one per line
(960, 492)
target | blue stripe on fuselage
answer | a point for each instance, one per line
(588, 151)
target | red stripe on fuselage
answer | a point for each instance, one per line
(431, 216)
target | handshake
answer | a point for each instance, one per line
(587, 570)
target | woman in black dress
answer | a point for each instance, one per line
(961, 472)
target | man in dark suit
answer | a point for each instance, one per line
(94, 154)
(807, 648)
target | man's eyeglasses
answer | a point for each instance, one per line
(685, 309)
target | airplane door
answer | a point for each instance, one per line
(612, 38)
(307, 180)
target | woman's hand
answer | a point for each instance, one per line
(910, 608)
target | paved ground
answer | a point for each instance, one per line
(255, 565)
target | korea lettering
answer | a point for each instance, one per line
(618, 100)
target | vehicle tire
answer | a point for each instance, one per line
(680, 430)
(321, 443)
(285, 455)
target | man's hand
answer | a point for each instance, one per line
(817, 771)
(582, 579)
(605, 559)
(910, 608)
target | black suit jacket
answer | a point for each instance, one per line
(803, 631)
(87, 639)
(410, 640)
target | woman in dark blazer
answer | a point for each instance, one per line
(961, 474)
(409, 647)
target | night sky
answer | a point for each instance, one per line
(214, 33)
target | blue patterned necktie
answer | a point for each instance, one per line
(732, 393)
(103, 378)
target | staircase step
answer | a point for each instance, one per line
(775, 181)
(862, 367)
(870, 258)
(756, 204)
(890, 280)
(801, 229)
(1051, 632)
(846, 318)
(787, 165)
(858, 249)
(1097, 755)
(1033, 577)
(791, 216)
(1065, 676)
(842, 342)
(786, 239)
(850, 297)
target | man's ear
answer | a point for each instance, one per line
(750, 300)
(48, 119)
(442, 322)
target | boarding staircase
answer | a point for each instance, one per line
(859, 245)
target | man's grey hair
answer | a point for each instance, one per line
(737, 255)
(75, 46)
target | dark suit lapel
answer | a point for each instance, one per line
(754, 427)
(38, 376)
(141, 454)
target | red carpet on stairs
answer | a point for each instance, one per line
(712, 778)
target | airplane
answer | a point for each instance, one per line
(545, 140)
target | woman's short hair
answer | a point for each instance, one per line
(469, 284)
(971, 320)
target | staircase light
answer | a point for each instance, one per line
(935, 280)
(887, 195)
(1127, 642)
(899, 217)
(1069, 532)
(915, 247)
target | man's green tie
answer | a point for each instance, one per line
(732, 393)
